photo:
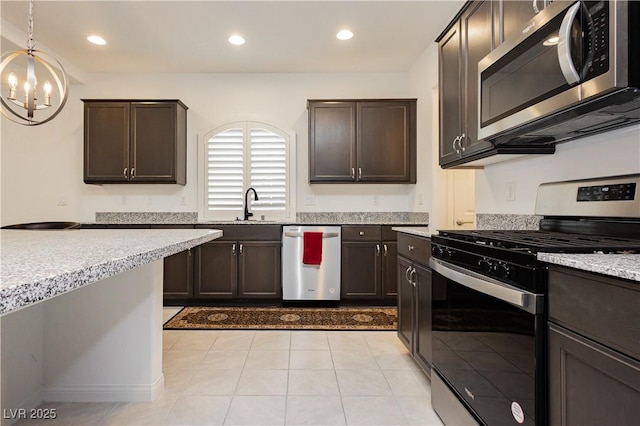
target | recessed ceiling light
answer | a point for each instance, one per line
(236, 39)
(97, 40)
(344, 35)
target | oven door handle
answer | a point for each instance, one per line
(530, 302)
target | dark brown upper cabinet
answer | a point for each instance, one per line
(469, 38)
(368, 141)
(135, 141)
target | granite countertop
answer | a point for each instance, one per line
(38, 265)
(625, 266)
(420, 231)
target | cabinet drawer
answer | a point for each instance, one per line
(361, 233)
(414, 248)
(602, 308)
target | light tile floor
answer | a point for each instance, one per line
(274, 378)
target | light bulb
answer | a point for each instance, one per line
(26, 86)
(13, 81)
(47, 87)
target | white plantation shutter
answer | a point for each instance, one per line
(268, 169)
(242, 155)
(225, 170)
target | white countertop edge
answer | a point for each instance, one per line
(626, 266)
(421, 231)
(25, 293)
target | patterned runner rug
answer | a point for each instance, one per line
(274, 318)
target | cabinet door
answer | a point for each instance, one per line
(386, 141)
(332, 141)
(450, 72)
(406, 309)
(389, 270)
(154, 147)
(178, 276)
(361, 277)
(477, 43)
(106, 142)
(216, 270)
(423, 343)
(259, 269)
(590, 384)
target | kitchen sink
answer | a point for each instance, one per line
(43, 226)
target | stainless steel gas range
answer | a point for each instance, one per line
(489, 309)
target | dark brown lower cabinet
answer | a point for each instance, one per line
(594, 349)
(231, 268)
(414, 297)
(414, 310)
(369, 264)
(178, 276)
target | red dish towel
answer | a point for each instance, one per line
(312, 248)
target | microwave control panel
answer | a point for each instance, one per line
(596, 39)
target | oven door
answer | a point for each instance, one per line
(488, 346)
(541, 72)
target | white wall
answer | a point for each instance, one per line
(42, 166)
(607, 154)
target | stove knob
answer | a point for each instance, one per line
(485, 265)
(448, 253)
(503, 270)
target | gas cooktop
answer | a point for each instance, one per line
(546, 241)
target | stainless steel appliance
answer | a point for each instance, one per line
(302, 282)
(574, 71)
(489, 315)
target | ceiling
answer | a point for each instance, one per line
(191, 36)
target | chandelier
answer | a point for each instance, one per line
(22, 100)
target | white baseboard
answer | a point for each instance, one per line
(103, 393)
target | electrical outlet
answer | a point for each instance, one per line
(511, 191)
(62, 202)
(149, 201)
(123, 200)
(183, 201)
(420, 199)
(376, 200)
(310, 200)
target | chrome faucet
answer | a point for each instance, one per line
(247, 215)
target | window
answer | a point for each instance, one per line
(248, 154)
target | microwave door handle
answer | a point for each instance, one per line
(564, 46)
(525, 300)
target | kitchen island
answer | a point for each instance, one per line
(82, 313)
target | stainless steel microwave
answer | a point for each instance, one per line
(573, 71)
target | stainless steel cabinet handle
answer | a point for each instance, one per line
(133, 172)
(125, 173)
(564, 46)
(406, 274)
(377, 249)
(453, 145)
(189, 252)
(462, 137)
(461, 222)
(386, 251)
(361, 233)
(353, 173)
(241, 248)
(233, 249)
(359, 172)
(413, 283)
(411, 248)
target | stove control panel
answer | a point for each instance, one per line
(617, 192)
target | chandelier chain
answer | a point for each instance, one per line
(30, 42)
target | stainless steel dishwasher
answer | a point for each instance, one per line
(310, 282)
